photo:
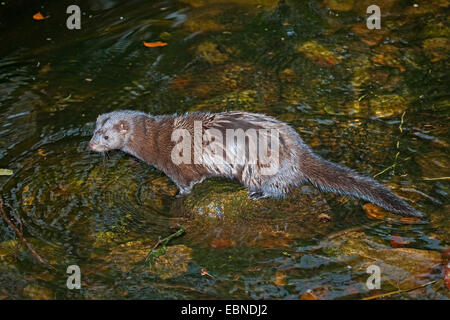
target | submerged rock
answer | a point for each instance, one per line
(222, 215)
(131, 255)
(435, 29)
(204, 19)
(425, 7)
(436, 48)
(388, 55)
(246, 100)
(319, 54)
(36, 292)
(208, 51)
(340, 5)
(222, 15)
(388, 105)
(230, 85)
(405, 267)
(439, 223)
(368, 36)
(127, 255)
(173, 263)
(362, 70)
(10, 249)
(387, 8)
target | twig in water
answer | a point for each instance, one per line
(394, 165)
(206, 273)
(338, 234)
(386, 169)
(398, 291)
(22, 239)
(155, 252)
(433, 179)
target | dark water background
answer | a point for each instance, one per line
(376, 101)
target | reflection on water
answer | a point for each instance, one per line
(375, 101)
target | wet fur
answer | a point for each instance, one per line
(149, 139)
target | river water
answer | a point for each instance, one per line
(373, 100)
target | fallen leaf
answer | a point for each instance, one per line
(6, 172)
(179, 83)
(280, 278)
(375, 212)
(39, 16)
(41, 153)
(397, 241)
(206, 273)
(155, 44)
(221, 243)
(308, 295)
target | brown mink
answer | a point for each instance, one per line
(169, 143)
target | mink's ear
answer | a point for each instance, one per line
(124, 127)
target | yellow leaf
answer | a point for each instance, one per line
(41, 153)
(5, 172)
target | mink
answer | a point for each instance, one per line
(160, 142)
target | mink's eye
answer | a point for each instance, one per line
(106, 137)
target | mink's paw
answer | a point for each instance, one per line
(183, 191)
(256, 195)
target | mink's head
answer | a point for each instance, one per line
(112, 131)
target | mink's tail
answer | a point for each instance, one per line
(331, 177)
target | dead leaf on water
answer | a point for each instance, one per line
(41, 152)
(155, 44)
(397, 241)
(39, 16)
(375, 212)
(280, 278)
(222, 243)
(205, 272)
(308, 295)
(179, 83)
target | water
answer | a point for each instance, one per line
(376, 101)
